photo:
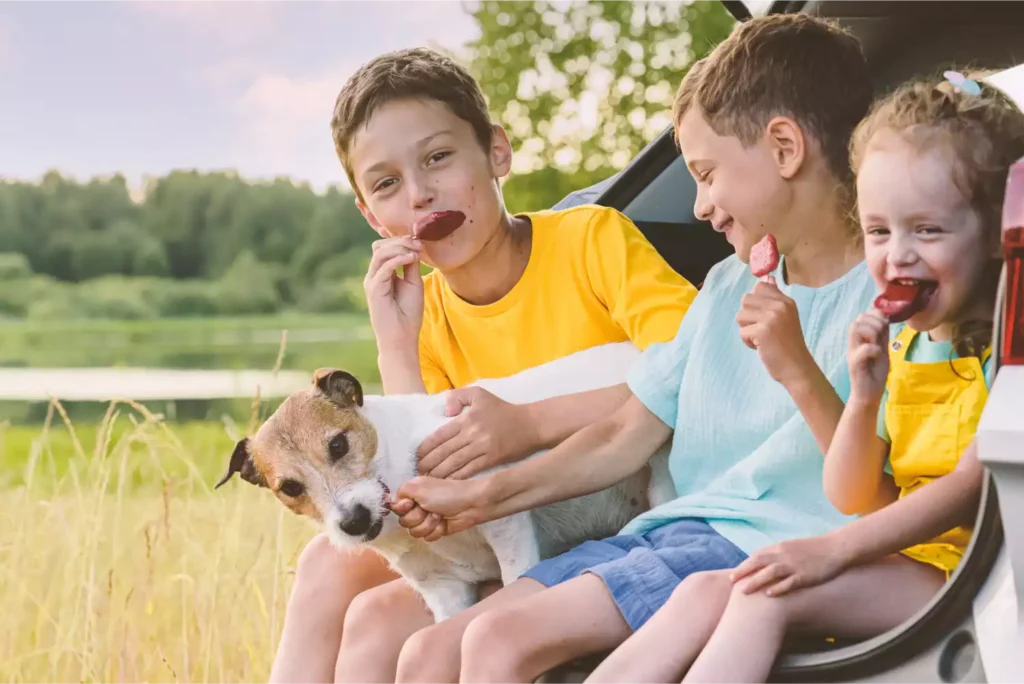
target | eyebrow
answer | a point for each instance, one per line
(422, 142)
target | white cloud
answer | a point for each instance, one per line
(231, 23)
(285, 126)
(285, 118)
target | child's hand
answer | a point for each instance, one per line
(452, 505)
(794, 564)
(770, 324)
(488, 432)
(395, 303)
(868, 356)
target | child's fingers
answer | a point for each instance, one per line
(439, 531)
(402, 506)
(750, 334)
(765, 577)
(433, 464)
(381, 277)
(865, 354)
(413, 518)
(456, 461)
(784, 586)
(744, 569)
(427, 526)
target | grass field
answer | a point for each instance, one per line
(119, 563)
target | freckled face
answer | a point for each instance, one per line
(415, 157)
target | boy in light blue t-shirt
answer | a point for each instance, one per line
(750, 390)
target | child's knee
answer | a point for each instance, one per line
(702, 586)
(371, 615)
(429, 653)
(758, 605)
(493, 636)
(318, 558)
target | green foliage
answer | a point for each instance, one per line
(14, 266)
(581, 87)
(196, 245)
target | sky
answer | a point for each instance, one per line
(142, 88)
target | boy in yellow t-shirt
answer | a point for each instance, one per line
(507, 293)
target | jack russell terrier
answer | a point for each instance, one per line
(333, 455)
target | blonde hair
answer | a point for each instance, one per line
(984, 134)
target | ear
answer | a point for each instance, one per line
(788, 145)
(241, 463)
(340, 387)
(372, 220)
(500, 152)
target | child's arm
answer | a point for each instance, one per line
(395, 304)
(770, 324)
(948, 502)
(854, 473)
(490, 432)
(596, 457)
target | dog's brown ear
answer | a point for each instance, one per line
(340, 387)
(241, 463)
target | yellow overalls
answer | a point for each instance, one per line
(932, 415)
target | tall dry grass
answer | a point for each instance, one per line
(119, 563)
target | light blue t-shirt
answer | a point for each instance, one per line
(742, 457)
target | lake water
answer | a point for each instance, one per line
(144, 384)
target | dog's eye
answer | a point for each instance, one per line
(292, 489)
(338, 446)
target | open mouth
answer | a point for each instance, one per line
(438, 225)
(904, 298)
(385, 499)
(374, 530)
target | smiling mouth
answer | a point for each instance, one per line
(904, 298)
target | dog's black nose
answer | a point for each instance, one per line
(357, 522)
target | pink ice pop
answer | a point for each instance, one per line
(764, 257)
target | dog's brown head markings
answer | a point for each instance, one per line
(315, 453)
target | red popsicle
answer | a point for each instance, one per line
(902, 299)
(438, 225)
(764, 257)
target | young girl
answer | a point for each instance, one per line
(931, 163)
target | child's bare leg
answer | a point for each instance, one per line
(434, 653)
(861, 603)
(377, 625)
(676, 633)
(521, 641)
(326, 581)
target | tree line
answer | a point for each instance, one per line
(215, 244)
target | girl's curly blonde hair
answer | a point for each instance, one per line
(984, 133)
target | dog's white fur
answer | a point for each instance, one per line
(446, 572)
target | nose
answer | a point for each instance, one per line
(702, 207)
(901, 250)
(357, 522)
(421, 192)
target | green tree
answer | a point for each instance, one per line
(581, 87)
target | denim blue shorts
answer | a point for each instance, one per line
(641, 571)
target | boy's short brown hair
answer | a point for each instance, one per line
(790, 65)
(413, 73)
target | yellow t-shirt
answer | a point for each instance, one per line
(592, 279)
